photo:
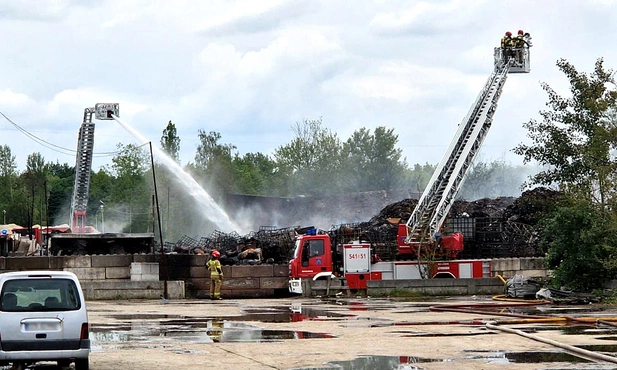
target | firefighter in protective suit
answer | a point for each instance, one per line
(216, 275)
(507, 43)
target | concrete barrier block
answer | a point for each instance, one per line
(105, 294)
(247, 293)
(176, 289)
(27, 263)
(145, 277)
(533, 273)
(241, 283)
(61, 262)
(198, 260)
(273, 282)
(117, 260)
(199, 272)
(144, 268)
(532, 264)
(177, 260)
(88, 273)
(144, 258)
(280, 270)
(117, 272)
(506, 264)
(200, 284)
(251, 271)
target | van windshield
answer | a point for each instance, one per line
(39, 294)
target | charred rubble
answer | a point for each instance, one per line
(492, 228)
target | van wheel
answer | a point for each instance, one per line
(18, 366)
(82, 364)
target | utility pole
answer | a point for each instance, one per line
(103, 217)
(158, 215)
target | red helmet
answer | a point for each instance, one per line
(508, 33)
(520, 32)
(216, 254)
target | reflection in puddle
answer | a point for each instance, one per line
(375, 362)
(208, 331)
(600, 347)
(590, 329)
(280, 314)
(407, 362)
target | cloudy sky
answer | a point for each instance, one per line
(252, 69)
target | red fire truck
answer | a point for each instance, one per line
(316, 257)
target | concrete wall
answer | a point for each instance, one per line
(111, 277)
(239, 281)
(530, 267)
(101, 276)
(436, 286)
(505, 267)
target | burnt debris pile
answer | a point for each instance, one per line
(492, 228)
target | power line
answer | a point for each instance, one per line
(53, 147)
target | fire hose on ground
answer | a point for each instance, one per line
(475, 308)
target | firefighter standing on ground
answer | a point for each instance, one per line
(216, 275)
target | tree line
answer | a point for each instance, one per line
(315, 162)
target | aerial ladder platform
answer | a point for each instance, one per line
(83, 164)
(426, 221)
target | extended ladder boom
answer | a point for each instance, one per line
(83, 163)
(436, 200)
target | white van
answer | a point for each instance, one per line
(43, 317)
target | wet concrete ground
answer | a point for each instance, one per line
(363, 333)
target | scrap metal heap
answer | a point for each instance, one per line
(493, 228)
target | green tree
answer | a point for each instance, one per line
(170, 142)
(373, 161)
(581, 245)
(312, 159)
(257, 174)
(35, 178)
(214, 162)
(419, 176)
(492, 179)
(60, 187)
(131, 193)
(8, 180)
(575, 142)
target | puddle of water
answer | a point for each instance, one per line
(295, 313)
(436, 335)
(375, 362)
(280, 314)
(144, 316)
(207, 331)
(571, 329)
(600, 347)
(528, 357)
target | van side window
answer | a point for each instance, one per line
(39, 295)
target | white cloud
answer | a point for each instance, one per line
(250, 70)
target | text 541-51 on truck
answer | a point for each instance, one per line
(316, 256)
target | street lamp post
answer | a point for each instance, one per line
(4, 218)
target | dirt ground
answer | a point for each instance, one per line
(233, 334)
